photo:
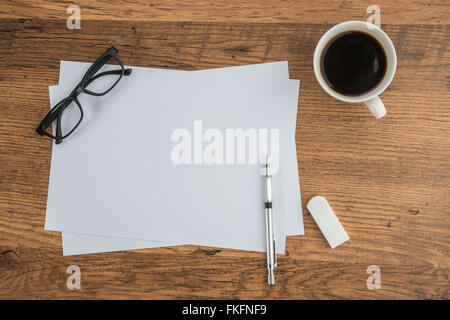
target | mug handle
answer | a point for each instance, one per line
(376, 106)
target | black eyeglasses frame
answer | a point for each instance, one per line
(56, 112)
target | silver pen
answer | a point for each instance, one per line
(270, 236)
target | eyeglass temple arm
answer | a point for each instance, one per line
(50, 117)
(126, 72)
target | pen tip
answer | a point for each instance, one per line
(268, 159)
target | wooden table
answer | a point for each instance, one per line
(388, 180)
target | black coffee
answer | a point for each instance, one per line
(353, 63)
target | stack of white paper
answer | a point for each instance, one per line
(175, 157)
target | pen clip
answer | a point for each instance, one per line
(274, 252)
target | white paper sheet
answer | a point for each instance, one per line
(139, 244)
(279, 69)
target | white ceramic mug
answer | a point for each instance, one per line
(370, 98)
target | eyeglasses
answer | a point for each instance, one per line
(68, 113)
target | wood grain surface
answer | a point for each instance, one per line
(388, 180)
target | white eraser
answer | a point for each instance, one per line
(327, 221)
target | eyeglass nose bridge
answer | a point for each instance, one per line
(78, 90)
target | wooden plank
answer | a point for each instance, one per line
(386, 179)
(398, 12)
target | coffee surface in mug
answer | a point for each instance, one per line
(353, 63)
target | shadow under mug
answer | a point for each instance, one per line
(370, 98)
